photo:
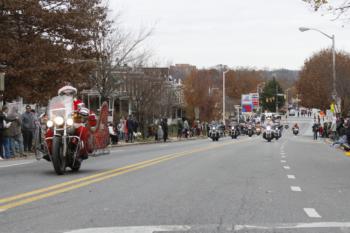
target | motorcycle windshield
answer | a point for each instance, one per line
(60, 106)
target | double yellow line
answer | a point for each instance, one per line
(39, 194)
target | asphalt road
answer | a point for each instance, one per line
(294, 184)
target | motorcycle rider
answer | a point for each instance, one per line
(296, 126)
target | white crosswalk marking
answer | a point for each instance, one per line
(295, 188)
(312, 213)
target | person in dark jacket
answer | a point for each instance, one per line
(130, 125)
(8, 153)
(28, 128)
(164, 125)
(2, 119)
(315, 129)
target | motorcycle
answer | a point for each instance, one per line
(295, 131)
(258, 130)
(215, 132)
(268, 134)
(277, 131)
(234, 132)
(62, 143)
(250, 130)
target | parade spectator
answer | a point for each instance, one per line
(164, 125)
(36, 132)
(28, 128)
(125, 129)
(130, 126)
(343, 135)
(315, 128)
(15, 132)
(113, 135)
(348, 133)
(2, 119)
(120, 128)
(8, 153)
(160, 133)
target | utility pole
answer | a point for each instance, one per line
(223, 95)
(276, 101)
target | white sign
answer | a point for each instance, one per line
(246, 99)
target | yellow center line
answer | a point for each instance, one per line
(38, 191)
(81, 182)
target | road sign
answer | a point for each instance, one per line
(255, 100)
(246, 99)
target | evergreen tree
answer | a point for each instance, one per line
(270, 95)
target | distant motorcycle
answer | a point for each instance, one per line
(268, 133)
(295, 131)
(250, 130)
(234, 132)
(215, 132)
(278, 132)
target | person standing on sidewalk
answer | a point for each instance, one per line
(6, 143)
(28, 128)
(15, 133)
(130, 125)
(164, 125)
(126, 135)
(315, 128)
(2, 119)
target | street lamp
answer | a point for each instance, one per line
(223, 95)
(332, 37)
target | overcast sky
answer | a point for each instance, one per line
(255, 33)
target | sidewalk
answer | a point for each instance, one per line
(28, 157)
(31, 156)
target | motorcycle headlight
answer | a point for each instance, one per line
(233, 127)
(268, 127)
(213, 128)
(49, 123)
(59, 120)
(70, 121)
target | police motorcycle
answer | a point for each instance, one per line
(250, 131)
(234, 130)
(277, 127)
(243, 128)
(215, 131)
(277, 131)
(268, 133)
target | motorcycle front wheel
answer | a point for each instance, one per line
(58, 161)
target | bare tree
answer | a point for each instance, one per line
(340, 9)
(116, 49)
(146, 94)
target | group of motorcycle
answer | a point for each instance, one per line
(217, 130)
(269, 131)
